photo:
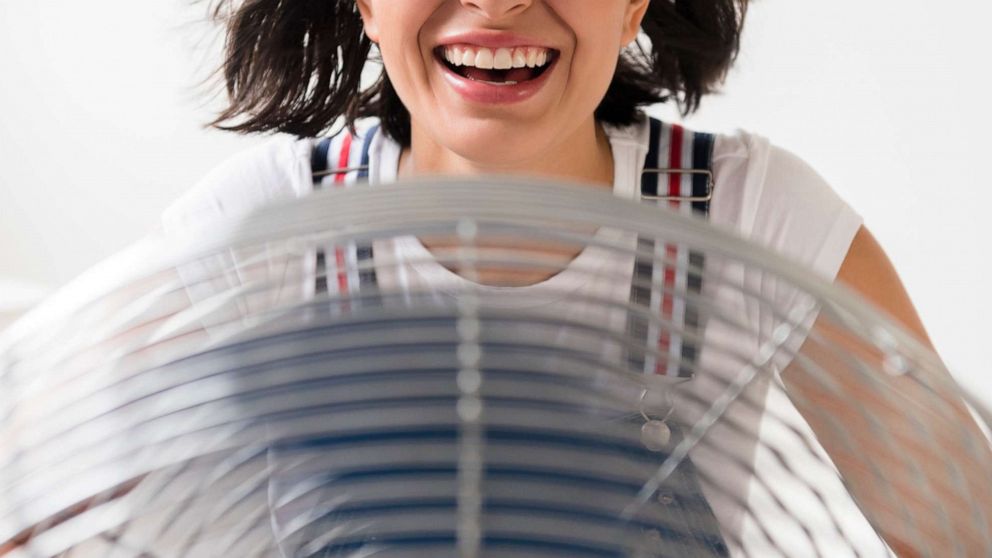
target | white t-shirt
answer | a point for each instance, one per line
(762, 193)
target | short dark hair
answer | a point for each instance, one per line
(296, 66)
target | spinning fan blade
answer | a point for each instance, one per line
(486, 368)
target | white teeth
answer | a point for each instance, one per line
(454, 55)
(531, 58)
(519, 58)
(484, 59)
(503, 59)
(499, 59)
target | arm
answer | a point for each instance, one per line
(904, 480)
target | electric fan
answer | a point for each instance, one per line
(487, 368)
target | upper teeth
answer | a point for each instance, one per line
(496, 59)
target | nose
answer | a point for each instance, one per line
(497, 9)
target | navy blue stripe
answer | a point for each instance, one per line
(318, 158)
(517, 508)
(448, 541)
(491, 504)
(236, 350)
(367, 277)
(320, 283)
(493, 434)
(681, 487)
(685, 494)
(640, 296)
(409, 373)
(410, 473)
(513, 542)
(318, 164)
(365, 252)
(702, 159)
(690, 352)
(439, 401)
(372, 325)
(649, 180)
(366, 145)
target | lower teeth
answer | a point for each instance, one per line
(495, 82)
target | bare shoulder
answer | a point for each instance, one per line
(868, 271)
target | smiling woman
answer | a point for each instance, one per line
(455, 120)
(298, 69)
(542, 88)
(538, 88)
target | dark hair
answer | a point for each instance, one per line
(296, 66)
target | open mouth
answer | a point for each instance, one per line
(502, 66)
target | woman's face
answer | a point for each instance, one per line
(498, 82)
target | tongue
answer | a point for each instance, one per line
(499, 76)
(521, 74)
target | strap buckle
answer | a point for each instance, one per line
(335, 172)
(709, 184)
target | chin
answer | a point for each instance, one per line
(498, 144)
(498, 158)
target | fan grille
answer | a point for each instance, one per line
(313, 380)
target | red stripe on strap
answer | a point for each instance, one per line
(342, 272)
(344, 159)
(671, 251)
(675, 162)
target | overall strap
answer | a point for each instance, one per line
(341, 161)
(678, 175)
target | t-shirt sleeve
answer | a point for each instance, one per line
(774, 199)
(232, 284)
(798, 215)
(802, 218)
(276, 169)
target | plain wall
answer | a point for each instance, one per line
(101, 126)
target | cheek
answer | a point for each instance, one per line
(400, 45)
(597, 28)
(595, 64)
(398, 63)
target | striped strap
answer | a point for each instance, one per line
(340, 162)
(677, 174)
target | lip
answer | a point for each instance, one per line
(493, 39)
(481, 92)
(484, 93)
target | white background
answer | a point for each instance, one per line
(101, 126)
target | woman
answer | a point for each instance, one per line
(553, 88)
